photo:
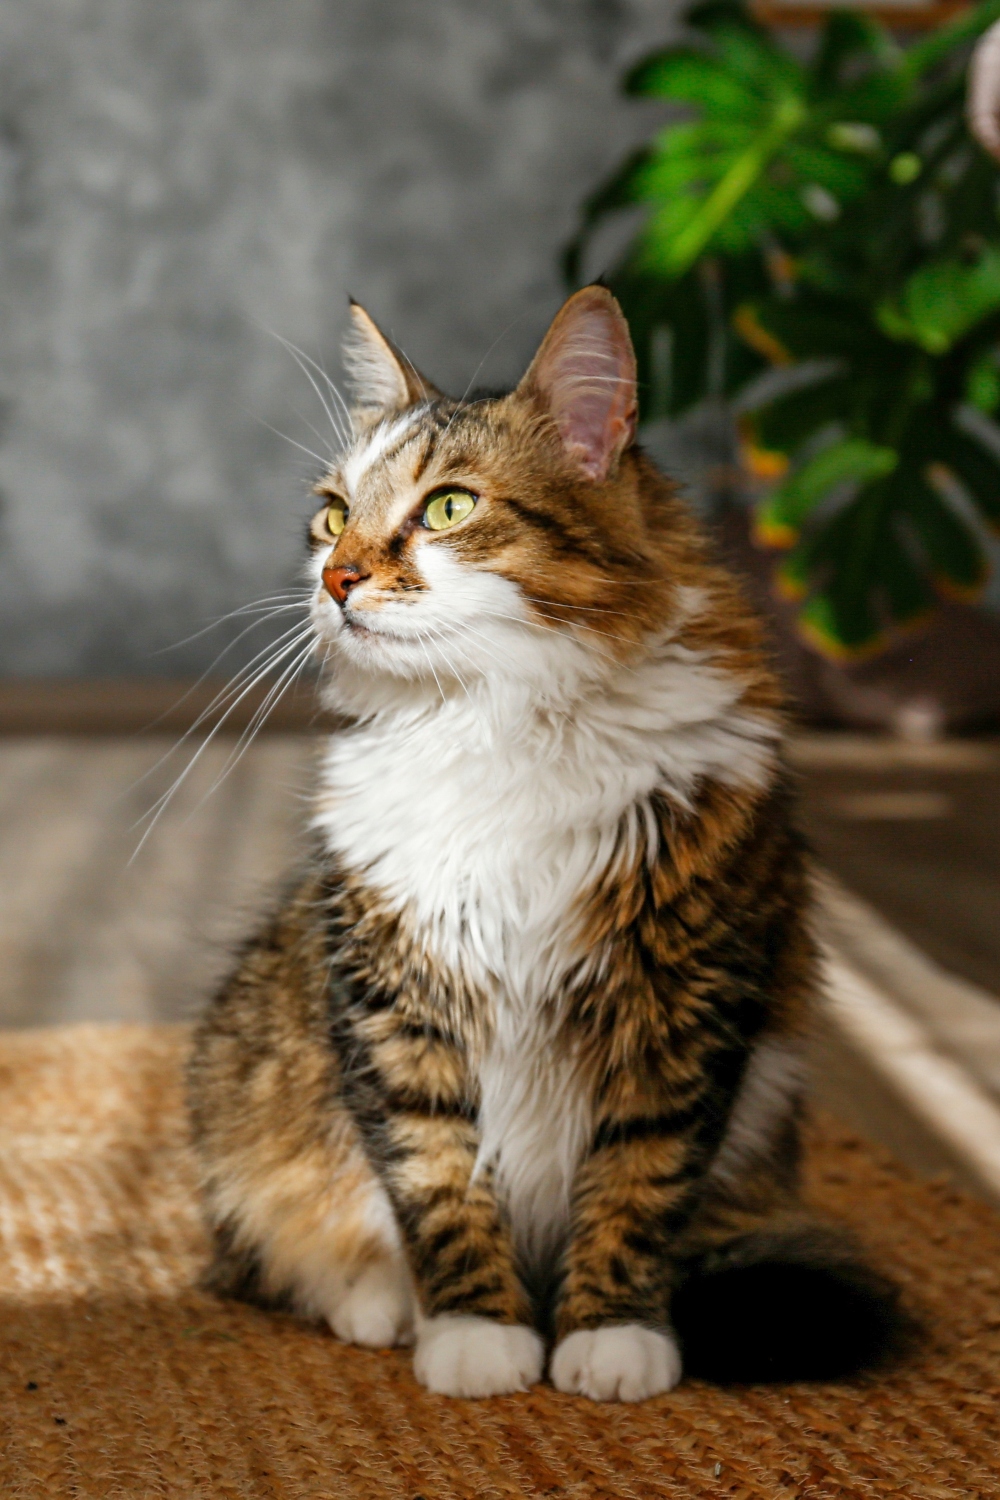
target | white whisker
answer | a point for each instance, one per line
(303, 361)
(331, 387)
(595, 609)
(324, 462)
(470, 629)
(253, 729)
(159, 806)
(316, 433)
(461, 406)
(234, 692)
(566, 624)
(216, 702)
(431, 665)
(267, 609)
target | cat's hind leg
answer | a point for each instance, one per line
(298, 1217)
(316, 1237)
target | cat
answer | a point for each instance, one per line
(518, 1064)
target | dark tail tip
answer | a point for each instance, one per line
(798, 1305)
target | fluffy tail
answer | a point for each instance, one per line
(789, 1304)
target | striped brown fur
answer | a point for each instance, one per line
(345, 1078)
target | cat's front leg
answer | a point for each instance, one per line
(614, 1341)
(473, 1331)
(408, 1089)
(472, 1356)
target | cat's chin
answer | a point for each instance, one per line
(367, 655)
(359, 638)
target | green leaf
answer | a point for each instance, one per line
(816, 325)
(690, 77)
(907, 595)
(847, 36)
(789, 422)
(942, 301)
(928, 52)
(851, 135)
(662, 231)
(674, 242)
(849, 460)
(982, 382)
(702, 137)
(878, 99)
(905, 168)
(792, 575)
(844, 176)
(765, 209)
(840, 624)
(812, 560)
(663, 177)
(978, 469)
(762, 65)
(844, 618)
(957, 563)
(707, 15)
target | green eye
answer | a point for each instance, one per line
(447, 508)
(336, 517)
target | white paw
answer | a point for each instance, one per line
(477, 1356)
(376, 1309)
(622, 1362)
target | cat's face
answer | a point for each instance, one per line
(486, 537)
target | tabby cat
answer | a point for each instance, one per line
(515, 1071)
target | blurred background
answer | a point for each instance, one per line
(805, 240)
(183, 187)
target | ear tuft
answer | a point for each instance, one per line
(382, 378)
(584, 375)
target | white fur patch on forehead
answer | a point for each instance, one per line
(375, 444)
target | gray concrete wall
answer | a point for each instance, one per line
(180, 181)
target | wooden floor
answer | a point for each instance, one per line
(91, 929)
(97, 924)
(915, 830)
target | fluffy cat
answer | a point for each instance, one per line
(517, 1066)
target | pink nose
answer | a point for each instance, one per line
(338, 582)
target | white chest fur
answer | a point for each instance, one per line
(485, 820)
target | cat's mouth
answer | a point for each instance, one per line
(358, 633)
(368, 630)
(359, 627)
(368, 624)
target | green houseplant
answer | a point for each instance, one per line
(835, 218)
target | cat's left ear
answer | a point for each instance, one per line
(381, 376)
(584, 376)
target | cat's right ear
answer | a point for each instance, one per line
(381, 377)
(585, 379)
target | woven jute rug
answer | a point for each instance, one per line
(122, 1382)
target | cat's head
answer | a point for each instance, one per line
(499, 535)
